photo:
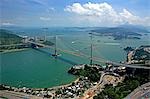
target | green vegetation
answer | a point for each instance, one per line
(121, 32)
(58, 92)
(7, 37)
(1, 97)
(131, 82)
(118, 92)
(141, 54)
(128, 49)
(91, 72)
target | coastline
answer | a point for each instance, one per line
(14, 50)
(64, 85)
(54, 87)
(24, 91)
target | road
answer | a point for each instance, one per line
(91, 92)
(142, 92)
(17, 95)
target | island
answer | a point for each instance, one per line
(98, 82)
(128, 49)
(93, 80)
(8, 37)
(140, 55)
(133, 78)
(10, 41)
(120, 32)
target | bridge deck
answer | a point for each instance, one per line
(101, 60)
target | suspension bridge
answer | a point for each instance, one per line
(80, 54)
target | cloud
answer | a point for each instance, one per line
(133, 19)
(45, 18)
(52, 9)
(7, 24)
(104, 14)
(38, 2)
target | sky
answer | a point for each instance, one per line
(74, 13)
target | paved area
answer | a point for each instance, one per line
(16, 95)
(142, 92)
(105, 79)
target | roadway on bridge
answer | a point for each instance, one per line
(101, 60)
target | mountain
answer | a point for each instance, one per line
(121, 32)
(7, 37)
(136, 28)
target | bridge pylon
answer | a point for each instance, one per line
(55, 51)
(91, 53)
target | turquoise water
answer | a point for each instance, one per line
(33, 69)
(36, 68)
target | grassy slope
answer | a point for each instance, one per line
(7, 37)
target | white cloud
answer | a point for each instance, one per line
(104, 14)
(133, 19)
(45, 18)
(40, 2)
(52, 9)
(7, 24)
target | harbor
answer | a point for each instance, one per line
(30, 59)
(100, 71)
(75, 89)
(74, 49)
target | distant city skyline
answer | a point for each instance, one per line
(99, 13)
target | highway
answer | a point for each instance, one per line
(142, 92)
(17, 95)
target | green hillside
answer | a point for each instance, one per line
(7, 37)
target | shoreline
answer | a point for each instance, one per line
(52, 88)
(64, 85)
(14, 50)
(25, 91)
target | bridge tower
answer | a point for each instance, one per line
(45, 38)
(91, 53)
(55, 52)
(55, 45)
